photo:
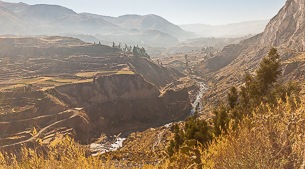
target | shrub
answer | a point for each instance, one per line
(272, 138)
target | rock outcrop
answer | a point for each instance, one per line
(124, 103)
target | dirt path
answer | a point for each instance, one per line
(74, 114)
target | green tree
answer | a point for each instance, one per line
(268, 72)
(178, 140)
(220, 119)
(140, 52)
(257, 89)
(232, 97)
(196, 129)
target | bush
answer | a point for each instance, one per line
(272, 138)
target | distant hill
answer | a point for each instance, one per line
(41, 19)
(227, 31)
(149, 22)
(10, 23)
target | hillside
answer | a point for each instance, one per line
(285, 32)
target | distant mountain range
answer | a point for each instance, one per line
(227, 31)
(24, 19)
(146, 30)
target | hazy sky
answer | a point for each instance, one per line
(177, 11)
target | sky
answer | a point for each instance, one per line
(213, 12)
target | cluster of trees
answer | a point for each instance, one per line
(140, 52)
(124, 49)
(260, 88)
(136, 50)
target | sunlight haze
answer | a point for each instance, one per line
(214, 12)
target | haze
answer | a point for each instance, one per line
(214, 12)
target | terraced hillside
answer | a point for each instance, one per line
(52, 86)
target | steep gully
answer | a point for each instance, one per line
(117, 141)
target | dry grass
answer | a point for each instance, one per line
(271, 138)
(91, 74)
(42, 83)
(297, 58)
(61, 154)
(125, 72)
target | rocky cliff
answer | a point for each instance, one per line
(124, 103)
(286, 31)
(111, 104)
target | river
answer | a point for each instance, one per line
(101, 148)
(198, 99)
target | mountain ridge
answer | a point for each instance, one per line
(42, 19)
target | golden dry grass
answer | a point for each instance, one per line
(271, 138)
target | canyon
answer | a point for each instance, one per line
(57, 86)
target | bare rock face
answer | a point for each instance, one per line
(110, 88)
(287, 28)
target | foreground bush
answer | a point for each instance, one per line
(272, 138)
